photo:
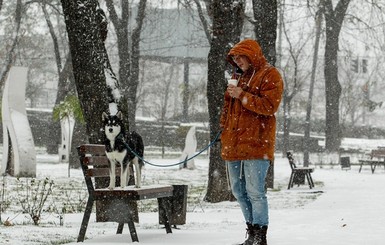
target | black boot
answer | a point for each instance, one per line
(251, 233)
(260, 236)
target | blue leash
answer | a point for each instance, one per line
(178, 163)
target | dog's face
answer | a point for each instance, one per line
(112, 124)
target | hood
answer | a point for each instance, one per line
(251, 49)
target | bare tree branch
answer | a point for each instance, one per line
(204, 22)
(10, 59)
(53, 36)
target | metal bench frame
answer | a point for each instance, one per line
(299, 173)
(377, 157)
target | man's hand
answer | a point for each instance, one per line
(234, 91)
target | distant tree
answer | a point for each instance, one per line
(33, 89)
(351, 99)
(164, 102)
(293, 78)
(159, 88)
(306, 141)
(361, 69)
(65, 75)
(334, 17)
(128, 50)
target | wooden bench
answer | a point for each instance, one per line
(376, 157)
(116, 203)
(298, 174)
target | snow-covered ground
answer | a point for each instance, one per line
(345, 208)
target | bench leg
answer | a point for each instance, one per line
(86, 218)
(120, 228)
(373, 167)
(291, 181)
(309, 180)
(134, 235)
(360, 168)
(131, 227)
(165, 214)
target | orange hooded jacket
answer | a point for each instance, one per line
(249, 123)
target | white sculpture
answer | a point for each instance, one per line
(17, 134)
(67, 128)
(189, 149)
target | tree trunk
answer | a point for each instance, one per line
(286, 123)
(63, 87)
(333, 93)
(121, 30)
(227, 26)
(134, 76)
(306, 139)
(265, 28)
(186, 90)
(333, 19)
(79, 137)
(88, 56)
(86, 33)
(128, 57)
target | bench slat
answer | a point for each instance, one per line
(95, 160)
(377, 153)
(101, 172)
(377, 157)
(92, 149)
(369, 161)
(135, 193)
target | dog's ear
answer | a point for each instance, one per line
(120, 115)
(104, 116)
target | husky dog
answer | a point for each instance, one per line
(119, 146)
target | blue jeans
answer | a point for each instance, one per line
(247, 181)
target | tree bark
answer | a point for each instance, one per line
(186, 90)
(265, 28)
(227, 21)
(333, 19)
(88, 58)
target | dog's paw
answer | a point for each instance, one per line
(111, 187)
(137, 186)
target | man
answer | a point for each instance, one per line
(248, 137)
